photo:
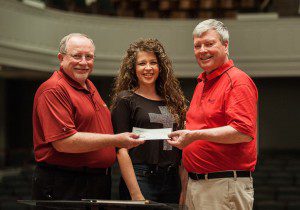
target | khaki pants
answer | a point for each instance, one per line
(220, 194)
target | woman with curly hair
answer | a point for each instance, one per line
(146, 94)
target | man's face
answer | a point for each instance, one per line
(78, 62)
(209, 51)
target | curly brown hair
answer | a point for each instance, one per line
(167, 86)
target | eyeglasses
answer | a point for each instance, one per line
(79, 57)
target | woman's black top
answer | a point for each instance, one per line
(133, 110)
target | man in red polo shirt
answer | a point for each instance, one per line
(74, 145)
(219, 145)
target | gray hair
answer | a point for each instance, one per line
(64, 41)
(214, 25)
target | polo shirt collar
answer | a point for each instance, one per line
(219, 71)
(73, 83)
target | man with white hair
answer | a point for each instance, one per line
(219, 145)
(73, 138)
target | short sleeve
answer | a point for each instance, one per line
(241, 109)
(121, 115)
(54, 112)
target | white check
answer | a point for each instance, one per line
(152, 134)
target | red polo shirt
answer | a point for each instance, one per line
(61, 108)
(227, 96)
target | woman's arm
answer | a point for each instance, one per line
(122, 123)
(184, 181)
(129, 175)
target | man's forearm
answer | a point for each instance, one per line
(223, 135)
(82, 142)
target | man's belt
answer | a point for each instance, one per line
(103, 171)
(222, 174)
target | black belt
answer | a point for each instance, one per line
(223, 174)
(103, 171)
